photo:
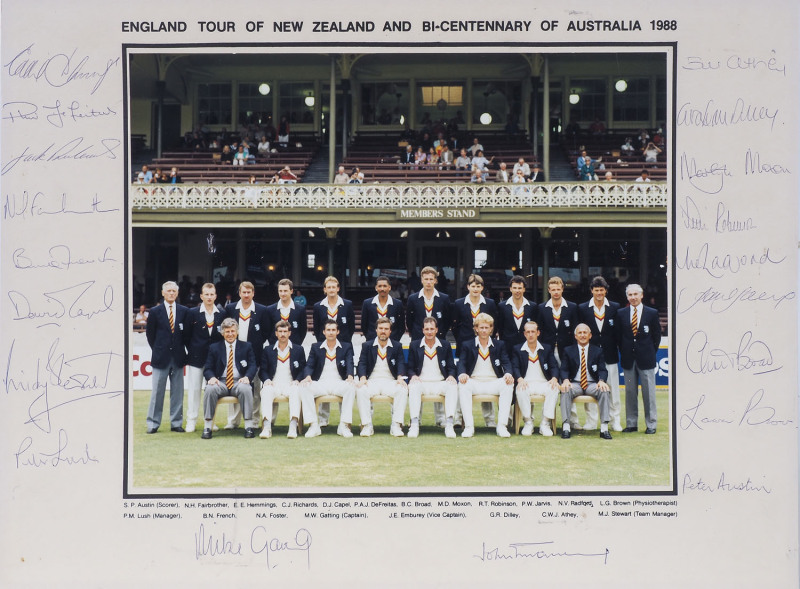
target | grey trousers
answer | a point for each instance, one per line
(156, 407)
(244, 392)
(575, 390)
(647, 379)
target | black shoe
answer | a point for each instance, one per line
(206, 434)
(565, 434)
(249, 432)
(152, 430)
(650, 430)
(178, 430)
(628, 430)
(605, 435)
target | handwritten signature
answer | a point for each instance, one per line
(26, 205)
(27, 456)
(698, 484)
(720, 301)
(757, 412)
(59, 258)
(77, 148)
(710, 179)
(750, 355)
(55, 114)
(59, 69)
(207, 544)
(719, 265)
(533, 550)
(71, 302)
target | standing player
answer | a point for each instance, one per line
(383, 305)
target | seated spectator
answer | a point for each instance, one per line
(651, 151)
(462, 161)
(419, 157)
(158, 177)
(643, 137)
(645, 177)
(446, 157)
(227, 155)
(407, 157)
(263, 146)
(341, 177)
(174, 177)
(286, 176)
(521, 165)
(241, 156)
(597, 127)
(609, 177)
(586, 170)
(283, 132)
(627, 147)
(145, 176)
(477, 176)
(140, 318)
(502, 174)
(475, 147)
(537, 175)
(519, 177)
(482, 163)
(433, 158)
(299, 298)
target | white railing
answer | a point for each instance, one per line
(400, 196)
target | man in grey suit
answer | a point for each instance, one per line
(638, 337)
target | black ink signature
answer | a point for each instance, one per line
(74, 149)
(67, 302)
(690, 214)
(719, 301)
(57, 70)
(750, 355)
(26, 456)
(260, 542)
(698, 484)
(709, 180)
(714, 116)
(719, 265)
(25, 206)
(213, 546)
(60, 258)
(534, 551)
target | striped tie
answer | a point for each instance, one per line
(171, 320)
(584, 375)
(635, 322)
(229, 369)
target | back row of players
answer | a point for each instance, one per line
(255, 352)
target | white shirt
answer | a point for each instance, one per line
(483, 368)
(430, 368)
(283, 372)
(518, 311)
(244, 324)
(381, 369)
(329, 369)
(585, 350)
(535, 372)
(599, 311)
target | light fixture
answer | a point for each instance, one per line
(309, 101)
(486, 119)
(264, 89)
(574, 98)
(621, 85)
(319, 268)
(271, 268)
(404, 234)
(479, 234)
(311, 233)
(402, 120)
(575, 256)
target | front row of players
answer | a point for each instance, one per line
(485, 368)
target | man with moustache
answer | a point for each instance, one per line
(383, 305)
(282, 368)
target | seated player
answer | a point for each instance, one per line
(282, 367)
(484, 368)
(536, 371)
(382, 371)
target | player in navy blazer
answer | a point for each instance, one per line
(536, 373)
(287, 310)
(562, 333)
(440, 306)
(336, 308)
(383, 305)
(253, 317)
(600, 314)
(244, 369)
(484, 368)
(282, 368)
(468, 307)
(571, 376)
(387, 354)
(638, 358)
(514, 313)
(168, 357)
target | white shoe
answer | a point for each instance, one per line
(266, 431)
(396, 430)
(215, 428)
(190, 427)
(616, 426)
(468, 432)
(313, 431)
(589, 426)
(491, 423)
(544, 429)
(449, 431)
(229, 426)
(413, 431)
(528, 428)
(575, 425)
(366, 430)
(440, 423)
(292, 431)
(502, 431)
(344, 430)
(323, 422)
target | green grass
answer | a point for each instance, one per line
(172, 461)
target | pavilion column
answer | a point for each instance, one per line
(584, 252)
(545, 240)
(297, 253)
(353, 257)
(241, 255)
(332, 124)
(546, 117)
(527, 256)
(644, 255)
(411, 252)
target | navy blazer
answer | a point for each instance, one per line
(506, 328)
(497, 354)
(444, 358)
(462, 313)
(643, 348)
(199, 337)
(606, 339)
(571, 364)
(345, 319)
(369, 357)
(297, 319)
(217, 361)
(547, 361)
(269, 362)
(415, 314)
(395, 313)
(167, 345)
(316, 360)
(256, 330)
(564, 335)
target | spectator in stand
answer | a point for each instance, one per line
(643, 137)
(586, 168)
(241, 156)
(174, 177)
(597, 127)
(158, 177)
(140, 318)
(407, 157)
(521, 165)
(475, 147)
(286, 176)
(519, 177)
(432, 159)
(627, 147)
(609, 176)
(263, 147)
(483, 164)
(341, 177)
(463, 162)
(300, 298)
(446, 157)
(645, 177)
(502, 174)
(227, 155)
(477, 176)
(276, 179)
(651, 151)
(537, 175)
(145, 176)
(283, 132)
(419, 157)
